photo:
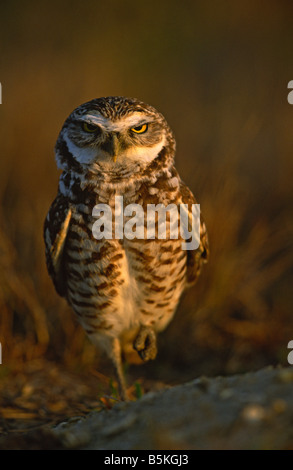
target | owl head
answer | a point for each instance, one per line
(112, 133)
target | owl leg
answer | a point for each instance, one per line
(146, 343)
(115, 355)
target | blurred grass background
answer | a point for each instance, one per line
(219, 72)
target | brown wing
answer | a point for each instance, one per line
(55, 232)
(195, 258)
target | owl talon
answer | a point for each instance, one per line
(146, 344)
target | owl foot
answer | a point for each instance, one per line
(146, 343)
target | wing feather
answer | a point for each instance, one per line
(55, 233)
(195, 258)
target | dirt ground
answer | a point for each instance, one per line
(45, 407)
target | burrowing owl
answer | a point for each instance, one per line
(111, 147)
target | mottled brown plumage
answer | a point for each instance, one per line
(112, 147)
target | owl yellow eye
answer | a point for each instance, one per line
(140, 129)
(87, 127)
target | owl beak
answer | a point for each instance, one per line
(114, 147)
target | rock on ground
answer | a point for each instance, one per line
(249, 411)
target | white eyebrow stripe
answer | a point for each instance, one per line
(126, 122)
